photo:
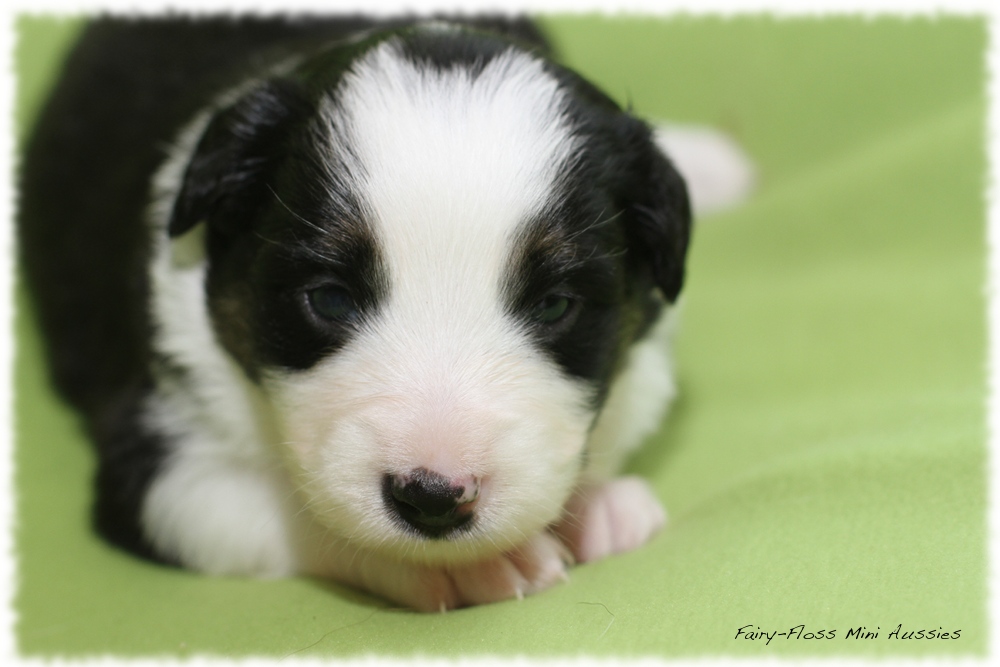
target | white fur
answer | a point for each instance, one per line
(443, 150)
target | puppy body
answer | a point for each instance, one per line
(405, 312)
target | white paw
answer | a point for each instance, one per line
(616, 517)
(718, 173)
(537, 564)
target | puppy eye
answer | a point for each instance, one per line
(551, 309)
(332, 303)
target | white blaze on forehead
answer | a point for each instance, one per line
(498, 137)
(448, 163)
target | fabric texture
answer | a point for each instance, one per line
(824, 465)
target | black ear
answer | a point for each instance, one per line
(657, 209)
(243, 142)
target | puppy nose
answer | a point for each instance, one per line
(433, 504)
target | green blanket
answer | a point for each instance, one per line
(825, 464)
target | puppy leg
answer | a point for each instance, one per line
(610, 518)
(719, 175)
(220, 516)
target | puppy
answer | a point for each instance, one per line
(383, 303)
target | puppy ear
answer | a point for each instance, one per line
(226, 176)
(657, 209)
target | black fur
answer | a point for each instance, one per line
(471, 49)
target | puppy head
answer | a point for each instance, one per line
(431, 249)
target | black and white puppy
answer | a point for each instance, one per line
(387, 306)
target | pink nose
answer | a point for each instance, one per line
(432, 504)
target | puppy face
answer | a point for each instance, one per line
(431, 250)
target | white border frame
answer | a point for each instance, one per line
(780, 8)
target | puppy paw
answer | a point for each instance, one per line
(409, 585)
(718, 173)
(536, 565)
(616, 517)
